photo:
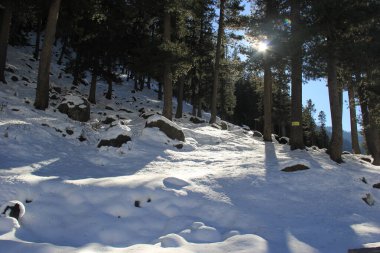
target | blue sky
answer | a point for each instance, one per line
(317, 91)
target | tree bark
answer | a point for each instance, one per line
(181, 83)
(92, 94)
(354, 128)
(374, 129)
(109, 81)
(168, 88)
(63, 50)
(296, 130)
(267, 135)
(159, 91)
(42, 92)
(335, 96)
(36, 53)
(215, 85)
(4, 36)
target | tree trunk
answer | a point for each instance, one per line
(296, 130)
(160, 91)
(181, 83)
(42, 92)
(354, 128)
(4, 36)
(109, 81)
(168, 88)
(215, 84)
(267, 100)
(148, 83)
(92, 94)
(77, 71)
(335, 96)
(63, 50)
(374, 129)
(36, 53)
(136, 83)
(141, 82)
(193, 96)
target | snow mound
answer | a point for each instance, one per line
(200, 233)
(172, 241)
(7, 224)
(175, 183)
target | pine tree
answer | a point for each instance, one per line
(6, 15)
(309, 126)
(42, 92)
(323, 138)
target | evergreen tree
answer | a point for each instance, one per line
(6, 16)
(309, 126)
(323, 138)
(42, 92)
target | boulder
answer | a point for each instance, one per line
(115, 136)
(283, 140)
(377, 186)
(223, 125)
(77, 108)
(168, 127)
(13, 208)
(117, 142)
(214, 125)
(197, 120)
(257, 134)
(296, 167)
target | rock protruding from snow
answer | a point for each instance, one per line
(197, 120)
(115, 136)
(168, 127)
(77, 108)
(377, 186)
(368, 199)
(296, 167)
(257, 134)
(13, 208)
(283, 140)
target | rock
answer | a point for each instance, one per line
(69, 131)
(257, 134)
(25, 79)
(77, 108)
(214, 125)
(296, 167)
(108, 120)
(346, 153)
(14, 78)
(109, 108)
(171, 129)
(57, 89)
(13, 208)
(368, 199)
(147, 115)
(377, 186)
(283, 140)
(223, 125)
(366, 159)
(197, 120)
(246, 128)
(276, 137)
(179, 146)
(117, 142)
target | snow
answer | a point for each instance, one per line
(224, 191)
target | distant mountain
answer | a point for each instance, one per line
(347, 146)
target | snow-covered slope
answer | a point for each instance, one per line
(223, 191)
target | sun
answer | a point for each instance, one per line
(262, 46)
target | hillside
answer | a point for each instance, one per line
(220, 191)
